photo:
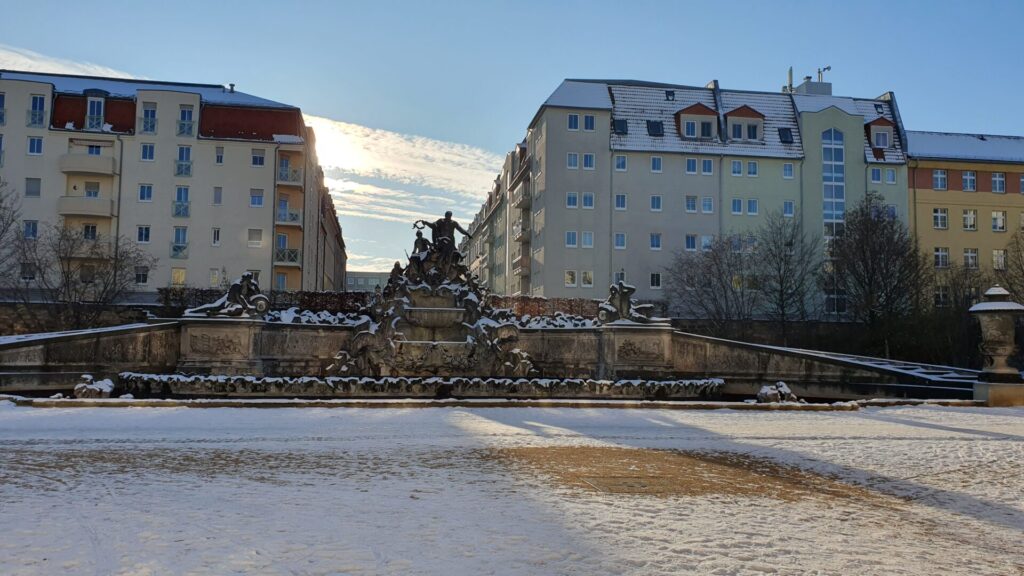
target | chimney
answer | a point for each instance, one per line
(814, 88)
(231, 88)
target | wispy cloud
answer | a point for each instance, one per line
(13, 58)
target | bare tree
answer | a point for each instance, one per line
(718, 283)
(786, 264)
(1012, 278)
(61, 266)
(10, 214)
(876, 262)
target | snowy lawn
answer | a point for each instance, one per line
(911, 490)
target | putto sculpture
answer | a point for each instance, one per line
(243, 298)
(621, 306)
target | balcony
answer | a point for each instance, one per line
(521, 267)
(3, 116)
(86, 164)
(35, 118)
(288, 217)
(94, 122)
(181, 209)
(289, 176)
(179, 251)
(147, 125)
(520, 231)
(183, 168)
(287, 256)
(86, 206)
(521, 196)
(186, 127)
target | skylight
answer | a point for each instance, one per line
(655, 128)
(620, 127)
(786, 135)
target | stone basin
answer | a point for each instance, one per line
(434, 317)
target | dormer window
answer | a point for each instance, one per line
(737, 131)
(752, 131)
(881, 139)
(696, 121)
(691, 129)
(746, 123)
(706, 129)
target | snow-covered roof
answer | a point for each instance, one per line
(580, 94)
(951, 146)
(129, 88)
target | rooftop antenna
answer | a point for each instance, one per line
(821, 73)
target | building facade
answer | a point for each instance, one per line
(616, 177)
(211, 181)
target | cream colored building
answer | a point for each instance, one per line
(213, 182)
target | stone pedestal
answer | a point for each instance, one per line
(1000, 384)
(629, 349)
(221, 346)
(999, 393)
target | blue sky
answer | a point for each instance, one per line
(468, 76)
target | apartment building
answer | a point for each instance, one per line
(615, 177)
(212, 181)
(967, 191)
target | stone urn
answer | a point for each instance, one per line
(998, 315)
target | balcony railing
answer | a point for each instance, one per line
(288, 217)
(186, 127)
(287, 255)
(291, 175)
(521, 230)
(179, 251)
(94, 122)
(35, 118)
(181, 209)
(521, 195)
(3, 116)
(147, 125)
(183, 168)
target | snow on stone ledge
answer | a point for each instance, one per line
(322, 318)
(288, 139)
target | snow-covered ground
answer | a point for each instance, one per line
(910, 490)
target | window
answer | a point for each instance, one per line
(87, 274)
(89, 231)
(1021, 184)
(690, 129)
(890, 175)
(751, 168)
(218, 195)
(142, 274)
(574, 122)
(970, 179)
(177, 276)
(148, 118)
(833, 182)
(971, 258)
(656, 164)
(882, 139)
(707, 205)
(691, 203)
(37, 113)
(181, 236)
(691, 242)
(970, 219)
(219, 156)
(30, 229)
(35, 145)
(876, 175)
(942, 257)
(92, 189)
(655, 280)
(737, 206)
(93, 150)
(281, 281)
(620, 163)
(587, 240)
(999, 259)
(588, 200)
(705, 243)
(572, 200)
(28, 272)
(656, 203)
(142, 234)
(258, 157)
(691, 165)
(570, 239)
(33, 187)
(835, 301)
(940, 218)
(570, 278)
(620, 276)
(214, 277)
(706, 167)
(737, 131)
(255, 198)
(620, 201)
(788, 208)
(737, 168)
(998, 182)
(751, 131)
(705, 129)
(752, 207)
(787, 170)
(588, 123)
(938, 179)
(942, 296)
(620, 241)
(655, 240)
(255, 237)
(572, 161)
(145, 192)
(185, 123)
(215, 237)
(94, 116)
(999, 221)
(588, 161)
(148, 152)
(587, 279)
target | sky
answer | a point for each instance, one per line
(416, 103)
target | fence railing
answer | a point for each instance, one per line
(181, 209)
(183, 168)
(186, 127)
(179, 251)
(35, 118)
(287, 255)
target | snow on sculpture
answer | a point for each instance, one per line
(243, 298)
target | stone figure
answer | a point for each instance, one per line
(443, 239)
(421, 249)
(243, 298)
(620, 305)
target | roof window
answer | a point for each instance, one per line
(786, 135)
(670, 95)
(655, 128)
(620, 127)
